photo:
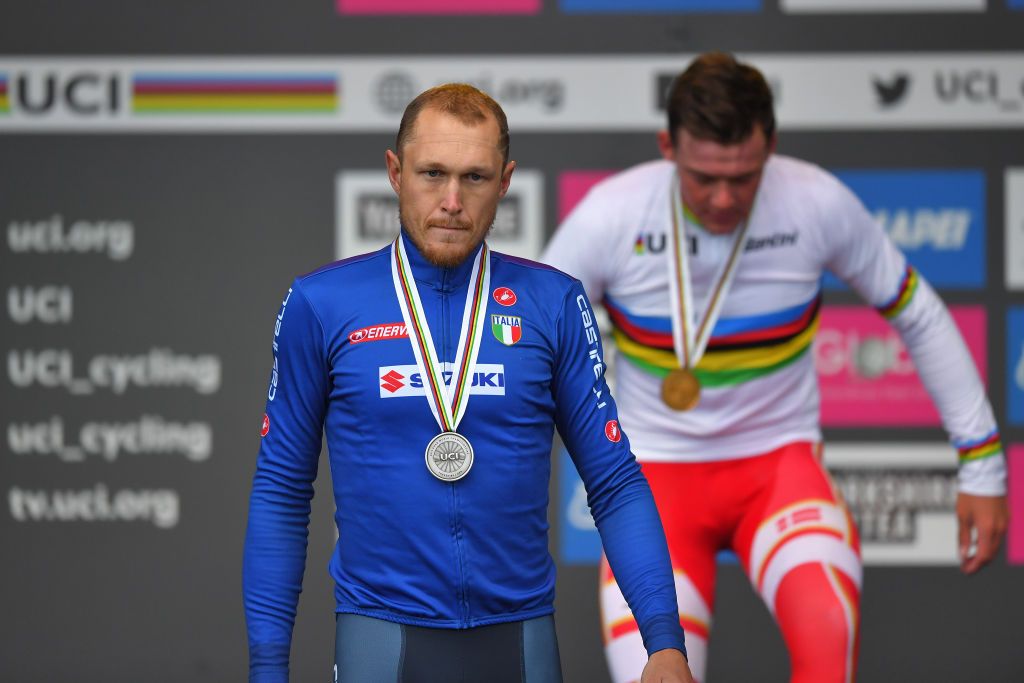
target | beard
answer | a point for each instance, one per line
(444, 254)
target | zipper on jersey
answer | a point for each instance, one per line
(447, 351)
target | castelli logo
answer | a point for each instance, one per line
(265, 427)
(504, 296)
(612, 431)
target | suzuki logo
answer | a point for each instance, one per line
(891, 92)
(392, 381)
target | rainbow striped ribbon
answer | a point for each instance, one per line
(447, 405)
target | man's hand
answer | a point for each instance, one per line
(667, 666)
(986, 516)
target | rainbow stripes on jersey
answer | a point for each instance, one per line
(740, 349)
(5, 105)
(908, 285)
(233, 93)
(985, 447)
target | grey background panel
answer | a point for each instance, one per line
(223, 222)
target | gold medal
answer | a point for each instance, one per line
(680, 390)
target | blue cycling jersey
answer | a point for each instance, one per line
(412, 548)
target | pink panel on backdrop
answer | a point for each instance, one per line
(438, 6)
(1015, 538)
(572, 185)
(866, 375)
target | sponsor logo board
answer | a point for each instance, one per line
(876, 6)
(822, 91)
(903, 498)
(400, 381)
(367, 214)
(1015, 364)
(665, 6)
(420, 7)
(1014, 217)
(1015, 534)
(936, 217)
(865, 374)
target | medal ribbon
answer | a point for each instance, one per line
(447, 405)
(690, 344)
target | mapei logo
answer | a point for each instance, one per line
(400, 381)
(378, 332)
(936, 217)
(891, 91)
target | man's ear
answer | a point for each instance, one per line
(665, 146)
(506, 177)
(394, 165)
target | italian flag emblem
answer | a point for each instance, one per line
(508, 329)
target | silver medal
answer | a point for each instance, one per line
(449, 456)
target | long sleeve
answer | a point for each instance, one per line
(617, 492)
(866, 259)
(275, 542)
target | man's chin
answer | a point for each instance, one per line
(446, 255)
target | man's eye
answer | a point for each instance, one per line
(475, 177)
(433, 173)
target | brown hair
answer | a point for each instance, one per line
(466, 103)
(720, 99)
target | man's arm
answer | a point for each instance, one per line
(275, 541)
(864, 256)
(617, 492)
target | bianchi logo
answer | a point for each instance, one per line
(395, 91)
(891, 91)
(399, 381)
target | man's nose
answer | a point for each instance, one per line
(721, 196)
(451, 202)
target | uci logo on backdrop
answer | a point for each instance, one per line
(936, 218)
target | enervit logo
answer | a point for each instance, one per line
(851, 6)
(367, 214)
(438, 6)
(866, 376)
(902, 497)
(400, 381)
(378, 332)
(891, 91)
(1013, 184)
(937, 218)
(667, 6)
(1015, 364)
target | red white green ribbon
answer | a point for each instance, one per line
(448, 404)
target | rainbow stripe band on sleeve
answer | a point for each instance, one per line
(985, 447)
(740, 349)
(908, 285)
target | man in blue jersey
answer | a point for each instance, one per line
(438, 370)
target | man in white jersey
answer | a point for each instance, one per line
(718, 389)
